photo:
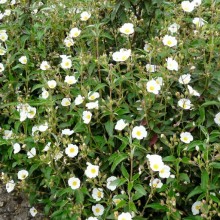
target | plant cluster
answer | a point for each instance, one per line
(110, 109)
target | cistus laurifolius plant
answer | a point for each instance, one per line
(111, 109)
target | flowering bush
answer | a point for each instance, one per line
(110, 109)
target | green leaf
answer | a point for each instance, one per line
(113, 14)
(124, 171)
(118, 182)
(139, 188)
(169, 159)
(215, 165)
(130, 186)
(120, 157)
(184, 177)
(197, 190)
(193, 218)
(99, 86)
(79, 196)
(132, 206)
(210, 103)
(204, 179)
(157, 206)
(33, 168)
(109, 126)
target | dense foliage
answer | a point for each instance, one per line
(111, 108)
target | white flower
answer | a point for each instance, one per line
(156, 163)
(2, 51)
(127, 28)
(7, 12)
(74, 32)
(197, 2)
(79, 100)
(92, 105)
(7, 134)
(3, 1)
(217, 119)
(31, 153)
(184, 103)
(72, 150)
(2, 68)
(115, 200)
(139, 132)
(151, 68)
(187, 6)
(47, 147)
(192, 91)
(68, 42)
(199, 22)
(147, 47)
(3, 35)
(92, 218)
(185, 79)
(22, 174)
(70, 80)
(120, 125)
(66, 102)
(16, 147)
(33, 211)
(109, 184)
(87, 116)
(58, 155)
(66, 63)
(45, 65)
(196, 207)
(51, 84)
(169, 41)
(98, 209)
(84, 16)
(1, 16)
(43, 127)
(44, 94)
(153, 86)
(67, 131)
(92, 171)
(164, 172)
(31, 112)
(156, 183)
(172, 64)
(125, 216)
(74, 182)
(173, 28)
(13, 2)
(153, 157)
(97, 194)
(121, 55)
(34, 129)
(23, 59)
(186, 137)
(10, 185)
(159, 81)
(93, 95)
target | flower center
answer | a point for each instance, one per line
(72, 150)
(97, 210)
(197, 207)
(99, 194)
(93, 170)
(74, 183)
(138, 133)
(152, 88)
(155, 166)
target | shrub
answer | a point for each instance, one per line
(111, 108)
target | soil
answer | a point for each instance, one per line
(14, 206)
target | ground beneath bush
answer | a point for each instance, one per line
(14, 206)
